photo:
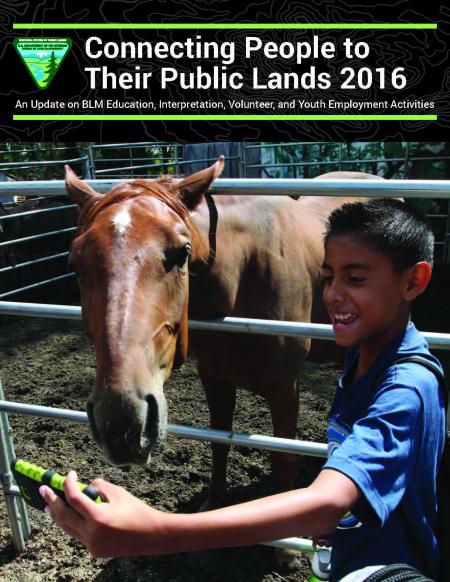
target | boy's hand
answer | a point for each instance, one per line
(109, 529)
(125, 526)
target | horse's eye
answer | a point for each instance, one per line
(187, 249)
(178, 257)
(183, 254)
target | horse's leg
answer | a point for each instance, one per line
(221, 398)
(283, 404)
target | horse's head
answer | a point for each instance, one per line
(131, 255)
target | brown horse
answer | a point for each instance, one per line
(148, 252)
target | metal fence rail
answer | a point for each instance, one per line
(41, 164)
(34, 212)
(252, 441)
(25, 239)
(265, 186)
(38, 284)
(228, 324)
(33, 262)
(158, 165)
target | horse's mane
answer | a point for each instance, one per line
(156, 189)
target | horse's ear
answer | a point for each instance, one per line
(182, 340)
(191, 189)
(79, 191)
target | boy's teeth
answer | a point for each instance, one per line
(343, 317)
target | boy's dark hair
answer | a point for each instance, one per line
(391, 227)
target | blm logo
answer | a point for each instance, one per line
(42, 57)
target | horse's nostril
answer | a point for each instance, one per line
(91, 417)
(151, 425)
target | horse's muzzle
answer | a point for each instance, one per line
(128, 430)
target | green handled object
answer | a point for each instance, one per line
(30, 477)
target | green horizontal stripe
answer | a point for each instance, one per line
(225, 117)
(229, 25)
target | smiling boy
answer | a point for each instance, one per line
(386, 424)
(376, 494)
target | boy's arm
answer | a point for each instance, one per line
(126, 526)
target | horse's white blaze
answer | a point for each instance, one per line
(122, 220)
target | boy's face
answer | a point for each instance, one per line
(367, 300)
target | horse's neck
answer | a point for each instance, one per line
(245, 235)
(237, 226)
(222, 222)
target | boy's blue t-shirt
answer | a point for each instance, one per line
(386, 433)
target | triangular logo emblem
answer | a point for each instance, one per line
(42, 57)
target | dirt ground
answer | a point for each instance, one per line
(50, 362)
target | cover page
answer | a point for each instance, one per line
(183, 299)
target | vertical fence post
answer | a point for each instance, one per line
(177, 161)
(243, 173)
(406, 162)
(17, 511)
(87, 168)
(91, 154)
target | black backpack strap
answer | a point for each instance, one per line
(403, 360)
(443, 477)
(436, 371)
